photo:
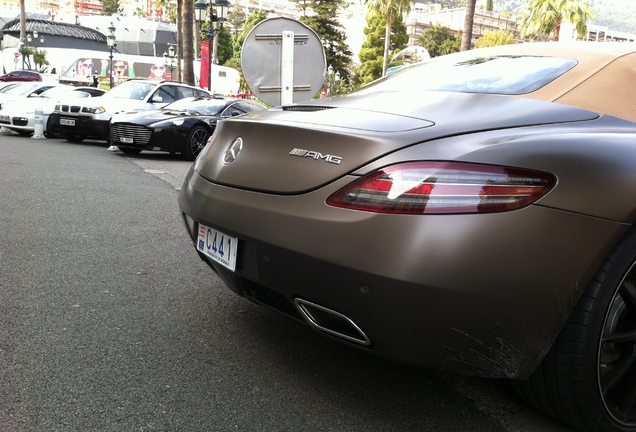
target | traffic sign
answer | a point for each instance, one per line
(283, 61)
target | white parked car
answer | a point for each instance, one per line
(25, 90)
(19, 115)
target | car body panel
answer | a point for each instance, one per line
(350, 134)
(419, 310)
(476, 293)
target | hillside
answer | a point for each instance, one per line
(617, 15)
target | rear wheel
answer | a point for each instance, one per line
(197, 139)
(588, 379)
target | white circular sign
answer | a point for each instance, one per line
(264, 60)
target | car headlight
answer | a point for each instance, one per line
(94, 110)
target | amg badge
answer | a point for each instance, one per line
(316, 155)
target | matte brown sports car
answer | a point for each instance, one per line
(473, 213)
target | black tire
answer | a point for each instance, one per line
(588, 379)
(129, 150)
(52, 130)
(197, 139)
(74, 138)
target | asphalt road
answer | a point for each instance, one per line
(110, 322)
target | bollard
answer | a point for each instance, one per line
(38, 124)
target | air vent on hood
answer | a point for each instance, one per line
(305, 108)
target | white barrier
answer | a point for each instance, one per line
(38, 124)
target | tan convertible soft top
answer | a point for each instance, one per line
(603, 81)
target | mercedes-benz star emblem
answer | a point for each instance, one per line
(232, 152)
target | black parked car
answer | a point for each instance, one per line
(182, 127)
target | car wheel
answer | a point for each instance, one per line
(197, 139)
(588, 378)
(52, 131)
(74, 138)
(129, 150)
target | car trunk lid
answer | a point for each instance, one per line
(301, 147)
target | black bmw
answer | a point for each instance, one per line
(182, 127)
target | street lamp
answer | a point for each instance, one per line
(168, 59)
(110, 41)
(217, 14)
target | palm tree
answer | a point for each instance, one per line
(179, 37)
(467, 35)
(188, 39)
(389, 7)
(546, 16)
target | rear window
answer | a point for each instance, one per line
(511, 75)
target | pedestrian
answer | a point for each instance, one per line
(95, 79)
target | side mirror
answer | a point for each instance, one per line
(157, 99)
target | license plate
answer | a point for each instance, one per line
(67, 122)
(127, 140)
(218, 246)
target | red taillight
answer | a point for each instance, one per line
(444, 188)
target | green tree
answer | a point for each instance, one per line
(544, 18)
(392, 10)
(238, 38)
(236, 18)
(490, 4)
(224, 52)
(110, 7)
(26, 52)
(439, 40)
(235, 63)
(495, 38)
(372, 51)
(39, 58)
(469, 18)
(324, 22)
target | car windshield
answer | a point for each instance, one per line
(508, 74)
(131, 90)
(22, 89)
(200, 105)
(56, 91)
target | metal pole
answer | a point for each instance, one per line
(110, 63)
(210, 41)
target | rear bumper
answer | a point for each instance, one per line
(452, 293)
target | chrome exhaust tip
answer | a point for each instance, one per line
(331, 322)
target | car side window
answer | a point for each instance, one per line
(185, 92)
(233, 110)
(167, 93)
